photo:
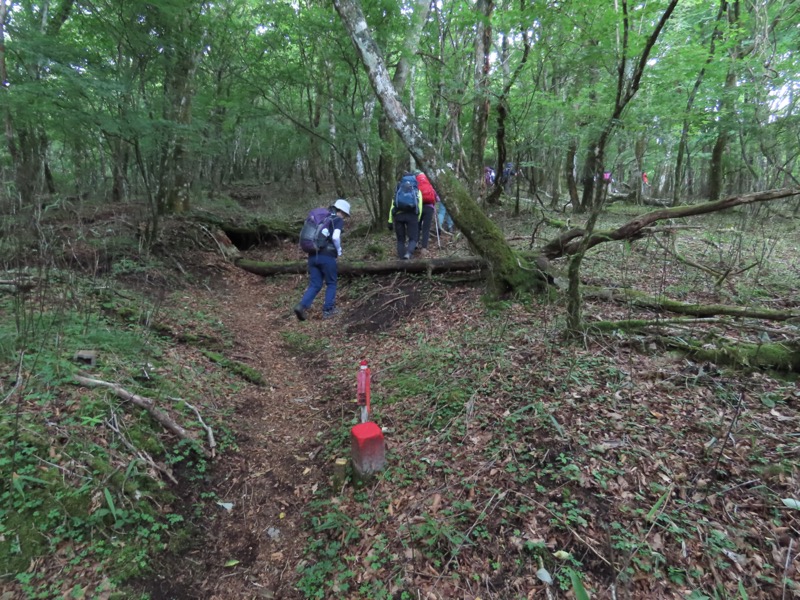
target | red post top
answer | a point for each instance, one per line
(363, 364)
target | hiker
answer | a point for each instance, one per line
(488, 177)
(405, 214)
(429, 200)
(507, 177)
(445, 220)
(322, 265)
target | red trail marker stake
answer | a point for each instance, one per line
(366, 439)
(362, 390)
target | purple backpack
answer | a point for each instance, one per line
(317, 230)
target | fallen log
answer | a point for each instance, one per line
(677, 333)
(780, 357)
(358, 268)
(642, 300)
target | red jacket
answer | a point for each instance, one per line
(428, 193)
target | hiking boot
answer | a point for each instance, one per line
(407, 256)
(329, 314)
(300, 312)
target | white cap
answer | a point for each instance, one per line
(342, 205)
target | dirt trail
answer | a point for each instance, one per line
(277, 466)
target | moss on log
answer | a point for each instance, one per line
(780, 357)
(642, 300)
(745, 354)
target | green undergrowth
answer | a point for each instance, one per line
(516, 456)
(83, 504)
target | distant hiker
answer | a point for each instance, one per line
(405, 214)
(326, 233)
(507, 177)
(644, 178)
(488, 177)
(429, 200)
(607, 177)
(445, 220)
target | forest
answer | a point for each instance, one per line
(588, 388)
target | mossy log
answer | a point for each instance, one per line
(785, 358)
(358, 268)
(642, 300)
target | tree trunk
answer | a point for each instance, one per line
(480, 114)
(315, 151)
(8, 123)
(716, 169)
(569, 169)
(502, 115)
(175, 173)
(590, 166)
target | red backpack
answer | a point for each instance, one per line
(428, 193)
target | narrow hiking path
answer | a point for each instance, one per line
(277, 465)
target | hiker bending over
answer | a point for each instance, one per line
(326, 247)
(405, 214)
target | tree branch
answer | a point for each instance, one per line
(567, 244)
(149, 405)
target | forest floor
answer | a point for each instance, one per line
(520, 463)
(645, 474)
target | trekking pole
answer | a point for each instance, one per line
(436, 222)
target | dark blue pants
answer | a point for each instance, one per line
(321, 267)
(425, 225)
(406, 224)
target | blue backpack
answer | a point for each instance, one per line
(317, 230)
(406, 199)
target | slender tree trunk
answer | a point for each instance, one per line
(387, 177)
(502, 115)
(684, 139)
(716, 169)
(480, 113)
(315, 154)
(335, 166)
(569, 172)
(175, 173)
(628, 81)
(8, 123)
(590, 167)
